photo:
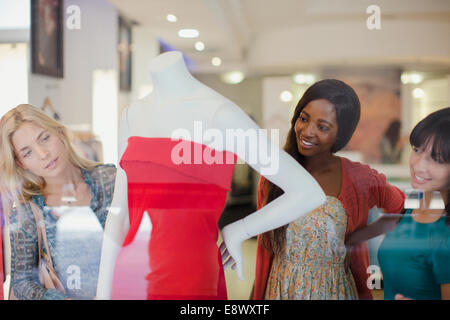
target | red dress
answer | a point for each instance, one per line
(184, 202)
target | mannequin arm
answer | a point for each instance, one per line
(117, 222)
(301, 192)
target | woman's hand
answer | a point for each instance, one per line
(231, 248)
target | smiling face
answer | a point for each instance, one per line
(316, 128)
(427, 173)
(39, 150)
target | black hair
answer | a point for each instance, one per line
(435, 128)
(346, 105)
(392, 133)
(348, 111)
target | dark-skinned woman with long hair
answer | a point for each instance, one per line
(307, 259)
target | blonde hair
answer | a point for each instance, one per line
(16, 183)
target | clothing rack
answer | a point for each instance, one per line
(88, 145)
(48, 105)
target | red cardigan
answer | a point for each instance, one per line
(362, 188)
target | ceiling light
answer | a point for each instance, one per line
(171, 18)
(233, 77)
(304, 78)
(416, 78)
(199, 46)
(418, 93)
(411, 77)
(188, 33)
(216, 61)
(404, 78)
(286, 96)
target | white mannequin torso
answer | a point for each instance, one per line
(146, 119)
(177, 100)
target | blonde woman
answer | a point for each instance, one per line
(39, 165)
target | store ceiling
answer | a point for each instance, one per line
(230, 28)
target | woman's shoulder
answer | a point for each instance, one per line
(22, 218)
(359, 170)
(103, 171)
(440, 236)
(105, 166)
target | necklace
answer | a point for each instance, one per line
(68, 199)
(68, 194)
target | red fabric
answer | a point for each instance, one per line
(184, 202)
(362, 188)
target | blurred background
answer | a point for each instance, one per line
(83, 61)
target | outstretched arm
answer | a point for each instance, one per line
(301, 192)
(382, 225)
(383, 195)
(117, 222)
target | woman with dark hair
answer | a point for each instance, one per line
(415, 256)
(391, 145)
(306, 259)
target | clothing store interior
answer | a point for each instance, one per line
(95, 65)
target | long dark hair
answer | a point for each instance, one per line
(393, 132)
(348, 110)
(436, 128)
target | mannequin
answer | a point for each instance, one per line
(179, 101)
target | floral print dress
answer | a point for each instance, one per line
(312, 266)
